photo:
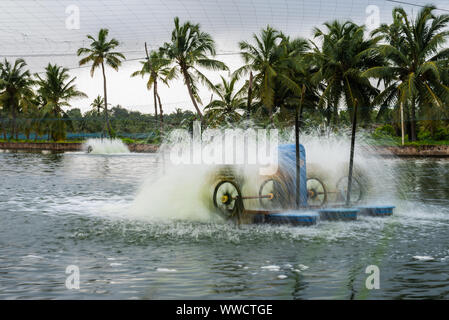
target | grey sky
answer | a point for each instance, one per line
(37, 31)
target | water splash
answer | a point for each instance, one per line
(177, 194)
(105, 146)
(186, 191)
(328, 159)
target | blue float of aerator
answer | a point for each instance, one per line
(339, 214)
(292, 217)
(287, 163)
(377, 211)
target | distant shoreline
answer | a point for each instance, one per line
(424, 151)
(436, 151)
(68, 146)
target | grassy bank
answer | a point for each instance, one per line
(125, 140)
(39, 141)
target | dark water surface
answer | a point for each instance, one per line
(54, 213)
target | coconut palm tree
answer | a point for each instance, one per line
(97, 104)
(342, 58)
(157, 67)
(260, 59)
(56, 90)
(267, 58)
(416, 62)
(15, 89)
(100, 53)
(189, 49)
(297, 67)
(30, 121)
(229, 105)
(3, 122)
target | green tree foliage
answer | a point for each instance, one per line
(416, 64)
(229, 106)
(188, 50)
(342, 57)
(99, 53)
(156, 66)
(56, 89)
(16, 91)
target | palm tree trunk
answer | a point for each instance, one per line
(335, 114)
(413, 120)
(155, 85)
(161, 113)
(402, 123)
(250, 93)
(407, 123)
(106, 116)
(18, 128)
(189, 87)
(155, 101)
(301, 111)
(13, 121)
(328, 114)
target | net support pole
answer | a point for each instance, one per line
(298, 112)
(351, 156)
(298, 160)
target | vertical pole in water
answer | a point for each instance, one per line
(351, 157)
(298, 161)
(298, 111)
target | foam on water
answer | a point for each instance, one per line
(271, 268)
(177, 194)
(105, 146)
(165, 270)
(423, 258)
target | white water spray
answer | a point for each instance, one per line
(105, 146)
(186, 191)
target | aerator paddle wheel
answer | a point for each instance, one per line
(276, 200)
(316, 192)
(356, 190)
(272, 194)
(226, 199)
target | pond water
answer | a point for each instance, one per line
(58, 210)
